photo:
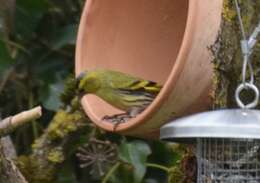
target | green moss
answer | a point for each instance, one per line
(228, 12)
(29, 167)
(70, 90)
(48, 150)
(24, 165)
(36, 144)
(175, 175)
(75, 104)
(227, 52)
(56, 155)
(63, 124)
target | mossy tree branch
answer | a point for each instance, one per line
(9, 173)
(50, 149)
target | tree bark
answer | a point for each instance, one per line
(227, 52)
(51, 149)
(227, 57)
(9, 173)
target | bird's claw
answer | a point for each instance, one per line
(117, 119)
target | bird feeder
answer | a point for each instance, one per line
(227, 144)
(165, 41)
(227, 141)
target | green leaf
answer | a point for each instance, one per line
(32, 6)
(168, 156)
(150, 181)
(5, 59)
(66, 173)
(135, 153)
(28, 16)
(53, 102)
(66, 36)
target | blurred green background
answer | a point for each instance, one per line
(37, 47)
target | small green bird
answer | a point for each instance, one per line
(125, 92)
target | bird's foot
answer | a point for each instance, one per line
(117, 119)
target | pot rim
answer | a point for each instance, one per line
(167, 87)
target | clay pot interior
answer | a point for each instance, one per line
(138, 37)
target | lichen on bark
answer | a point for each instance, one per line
(227, 53)
(227, 58)
(50, 149)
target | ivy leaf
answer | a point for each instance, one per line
(28, 16)
(66, 174)
(53, 101)
(65, 36)
(135, 153)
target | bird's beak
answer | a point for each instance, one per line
(80, 76)
(81, 94)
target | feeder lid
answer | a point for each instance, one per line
(228, 123)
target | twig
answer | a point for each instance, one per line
(16, 45)
(110, 173)
(152, 165)
(6, 78)
(9, 173)
(9, 124)
(51, 148)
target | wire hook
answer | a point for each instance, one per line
(247, 46)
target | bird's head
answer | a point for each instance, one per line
(79, 79)
(87, 82)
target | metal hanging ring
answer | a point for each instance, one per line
(247, 45)
(247, 86)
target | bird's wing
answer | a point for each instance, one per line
(126, 92)
(139, 93)
(143, 86)
(148, 91)
(124, 81)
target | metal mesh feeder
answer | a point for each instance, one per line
(227, 144)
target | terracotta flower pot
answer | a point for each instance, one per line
(161, 40)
